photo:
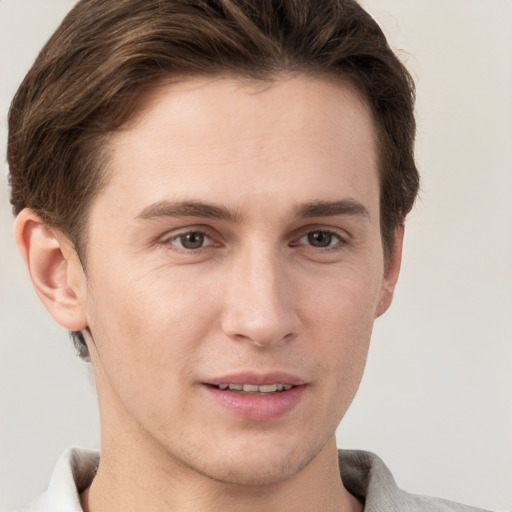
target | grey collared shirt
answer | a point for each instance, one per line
(363, 474)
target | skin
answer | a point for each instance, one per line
(258, 295)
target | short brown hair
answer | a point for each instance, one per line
(87, 79)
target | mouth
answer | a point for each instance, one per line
(257, 397)
(253, 389)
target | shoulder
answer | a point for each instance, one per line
(367, 477)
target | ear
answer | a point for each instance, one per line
(392, 270)
(54, 269)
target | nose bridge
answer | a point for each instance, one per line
(258, 303)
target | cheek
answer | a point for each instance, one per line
(152, 318)
(148, 332)
(342, 316)
(346, 342)
(344, 301)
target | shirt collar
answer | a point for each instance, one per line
(73, 473)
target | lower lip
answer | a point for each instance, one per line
(258, 407)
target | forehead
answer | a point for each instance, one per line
(224, 137)
(223, 106)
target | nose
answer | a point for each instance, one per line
(259, 301)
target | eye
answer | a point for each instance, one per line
(191, 240)
(320, 238)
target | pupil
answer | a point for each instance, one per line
(319, 238)
(192, 240)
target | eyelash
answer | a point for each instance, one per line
(180, 237)
(330, 234)
(204, 235)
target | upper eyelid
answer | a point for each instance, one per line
(169, 242)
(341, 240)
(215, 235)
(342, 233)
(179, 235)
(329, 231)
(175, 233)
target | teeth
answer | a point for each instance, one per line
(251, 388)
(267, 389)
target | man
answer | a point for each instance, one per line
(211, 197)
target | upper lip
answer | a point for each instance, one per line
(258, 379)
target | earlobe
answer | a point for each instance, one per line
(392, 270)
(51, 260)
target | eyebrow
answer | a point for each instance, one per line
(332, 208)
(188, 209)
(214, 211)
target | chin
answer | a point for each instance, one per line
(257, 463)
(253, 473)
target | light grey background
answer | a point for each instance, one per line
(436, 401)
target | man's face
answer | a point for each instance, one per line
(236, 242)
